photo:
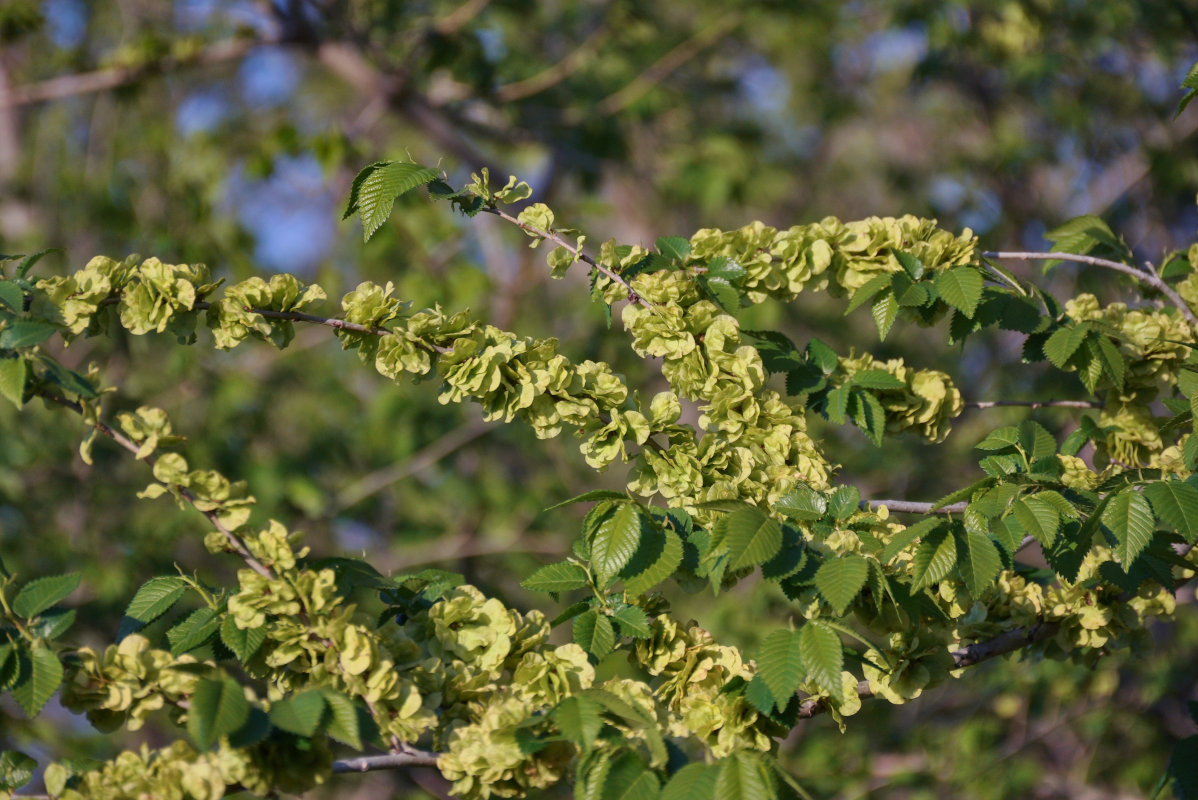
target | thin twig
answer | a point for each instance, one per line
(101, 80)
(658, 70)
(422, 459)
(1034, 404)
(912, 507)
(967, 656)
(232, 538)
(551, 76)
(460, 17)
(1149, 278)
(576, 251)
(415, 758)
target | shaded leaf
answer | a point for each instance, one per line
(1129, 517)
(752, 538)
(823, 656)
(614, 542)
(839, 580)
(298, 713)
(218, 707)
(593, 632)
(242, 643)
(780, 664)
(933, 559)
(38, 683)
(1176, 503)
(579, 720)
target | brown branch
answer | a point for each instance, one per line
(101, 80)
(460, 17)
(551, 76)
(422, 459)
(232, 538)
(982, 404)
(576, 251)
(415, 758)
(660, 69)
(1143, 276)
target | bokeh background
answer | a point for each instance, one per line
(228, 131)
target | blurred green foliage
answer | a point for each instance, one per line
(635, 120)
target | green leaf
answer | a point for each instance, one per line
(196, 628)
(724, 269)
(1063, 343)
(964, 493)
(52, 623)
(743, 776)
(39, 681)
(632, 622)
(722, 292)
(155, 597)
(933, 560)
(1113, 363)
(614, 542)
(32, 259)
(38, 595)
(910, 264)
(560, 577)
(869, 416)
(999, 439)
(844, 502)
(692, 782)
(903, 539)
(885, 310)
(1039, 518)
(823, 656)
(759, 695)
(1190, 83)
(961, 288)
(980, 561)
(591, 496)
(26, 333)
(867, 291)
(375, 195)
(344, 719)
(675, 248)
(803, 504)
(1035, 440)
(752, 538)
(1129, 517)
(579, 719)
(1183, 762)
(593, 632)
(10, 665)
(629, 779)
(661, 549)
(16, 770)
(839, 580)
(876, 379)
(1082, 235)
(13, 373)
(243, 643)
(836, 404)
(12, 297)
(1175, 503)
(780, 664)
(218, 707)
(298, 713)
